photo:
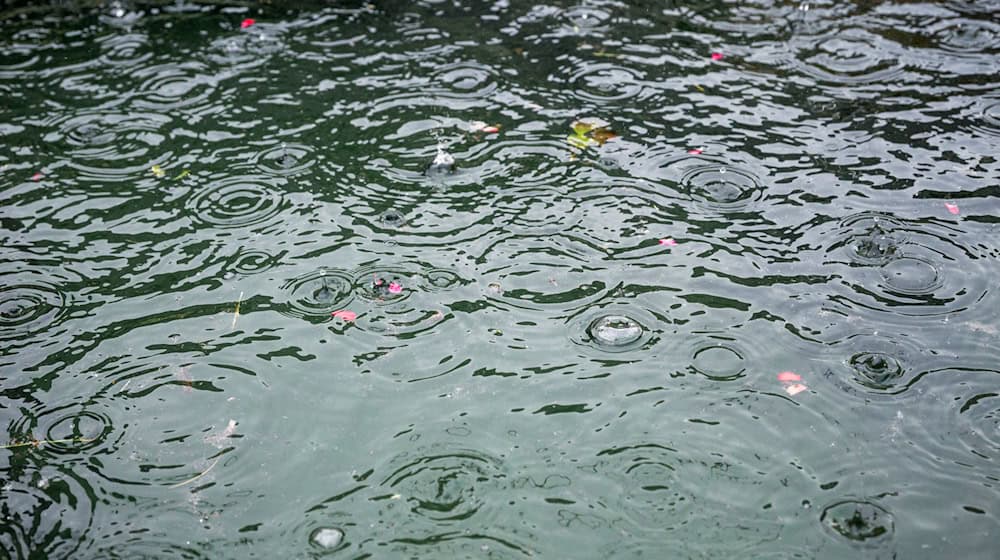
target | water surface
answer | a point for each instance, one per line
(345, 280)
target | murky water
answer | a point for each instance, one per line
(506, 280)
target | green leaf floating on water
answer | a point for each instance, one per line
(590, 132)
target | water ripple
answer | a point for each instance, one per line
(445, 486)
(466, 79)
(236, 202)
(863, 523)
(968, 36)
(602, 83)
(168, 87)
(315, 295)
(29, 304)
(848, 57)
(285, 159)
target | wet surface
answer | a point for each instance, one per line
(500, 279)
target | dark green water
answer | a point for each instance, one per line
(809, 369)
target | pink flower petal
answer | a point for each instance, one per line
(491, 129)
(348, 316)
(247, 23)
(668, 242)
(789, 376)
(795, 389)
(395, 288)
(716, 56)
(953, 208)
(37, 177)
(694, 151)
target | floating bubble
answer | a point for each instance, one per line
(392, 219)
(615, 331)
(327, 538)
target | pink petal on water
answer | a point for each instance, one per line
(247, 23)
(953, 208)
(789, 376)
(344, 314)
(37, 177)
(795, 389)
(694, 151)
(395, 288)
(716, 56)
(491, 129)
(668, 242)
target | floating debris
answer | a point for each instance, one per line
(344, 315)
(590, 132)
(480, 126)
(383, 288)
(790, 380)
(953, 208)
(158, 171)
(219, 439)
(248, 22)
(199, 475)
(40, 442)
(236, 312)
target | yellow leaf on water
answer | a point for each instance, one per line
(579, 140)
(158, 171)
(590, 131)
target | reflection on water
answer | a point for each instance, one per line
(499, 279)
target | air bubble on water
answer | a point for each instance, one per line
(327, 537)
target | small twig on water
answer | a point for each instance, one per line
(41, 442)
(236, 312)
(196, 477)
